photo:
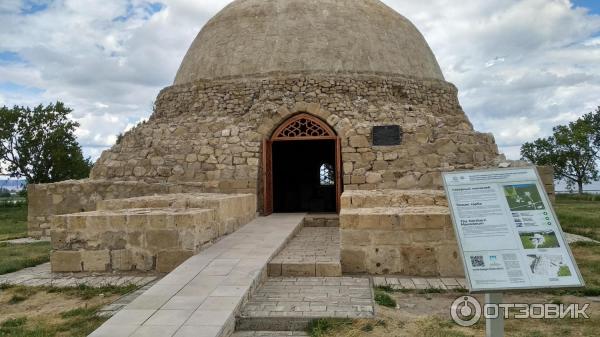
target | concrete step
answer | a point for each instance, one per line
(322, 220)
(269, 333)
(314, 251)
(390, 218)
(393, 198)
(290, 304)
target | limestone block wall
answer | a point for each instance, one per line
(398, 232)
(403, 232)
(47, 200)
(212, 131)
(146, 233)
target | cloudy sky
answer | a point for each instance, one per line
(522, 66)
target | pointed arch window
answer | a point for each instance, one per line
(326, 175)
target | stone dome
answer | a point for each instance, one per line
(252, 37)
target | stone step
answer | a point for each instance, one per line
(314, 251)
(290, 304)
(389, 218)
(322, 220)
(269, 333)
(393, 198)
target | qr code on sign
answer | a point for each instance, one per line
(477, 261)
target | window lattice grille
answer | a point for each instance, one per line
(327, 175)
(304, 127)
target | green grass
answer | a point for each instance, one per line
(16, 257)
(384, 299)
(13, 222)
(587, 255)
(82, 291)
(579, 197)
(579, 216)
(320, 327)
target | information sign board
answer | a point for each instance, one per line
(508, 233)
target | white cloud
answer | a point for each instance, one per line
(532, 62)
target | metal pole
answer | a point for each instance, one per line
(494, 327)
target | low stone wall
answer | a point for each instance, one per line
(73, 196)
(398, 232)
(403, 232)
(147, 233)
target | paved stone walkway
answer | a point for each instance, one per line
(572, 238)
(289, 303)
(23, 241)
(111, 309)
(42, 276)
(202, 297)
(315, 251)
(416, 283)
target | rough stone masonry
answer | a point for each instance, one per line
(252, 67)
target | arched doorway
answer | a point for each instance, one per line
(302, 169)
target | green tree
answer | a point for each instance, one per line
(40, 144)
(572, 152)
(593, 121)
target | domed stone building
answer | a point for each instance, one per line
(318, 106)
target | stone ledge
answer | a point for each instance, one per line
(393, 198)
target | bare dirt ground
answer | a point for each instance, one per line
(428, 315)
(43, 304)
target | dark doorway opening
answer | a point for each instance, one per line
(304, 177)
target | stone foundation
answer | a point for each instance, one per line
(145, 233)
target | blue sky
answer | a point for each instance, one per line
(592, 5)
(109, 59)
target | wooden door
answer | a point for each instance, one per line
(339, 175)
(267, 176)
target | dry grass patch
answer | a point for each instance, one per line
(54, 312)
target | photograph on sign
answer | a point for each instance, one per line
(508, 233)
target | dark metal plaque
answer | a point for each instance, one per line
(388, 135)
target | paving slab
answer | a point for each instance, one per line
(202, 296)
(314, 251)
(290, 303)
(41, 275)
(418, 283)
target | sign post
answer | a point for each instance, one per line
(508, 235)
(494, 327)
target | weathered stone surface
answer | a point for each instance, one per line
(146, 233)
(65, 261)
(168, 260)
(406, 232)
(95, 260)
